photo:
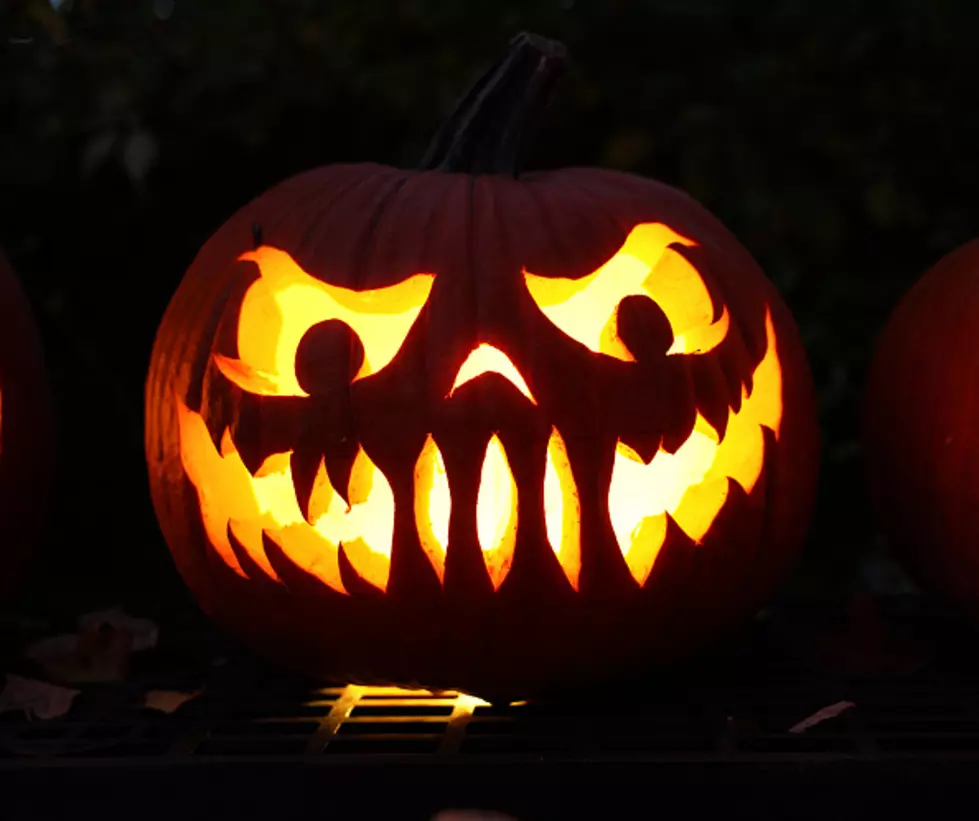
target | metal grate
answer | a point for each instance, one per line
(925, 716)
(736, 706)
(712, 738)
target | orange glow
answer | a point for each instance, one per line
(433, 505)
(484, 359)
(462, 704)
(691, 485)
(285, 302)
(562, 508)
(585, 309)
(230, 495)
(496, 512)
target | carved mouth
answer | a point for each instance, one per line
(241, 508)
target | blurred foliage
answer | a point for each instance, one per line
(836, 140)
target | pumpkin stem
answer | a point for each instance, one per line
(492, 126)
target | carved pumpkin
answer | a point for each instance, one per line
(473, 429)
(25, 429)
(921, 432)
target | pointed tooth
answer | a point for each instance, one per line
(304, 462)
(680, 401)
(711, 392)
(252, 569)
(736, 365)
(251, 451)
(646, 445)
(339, 465)
(265, 425)
(355, 584)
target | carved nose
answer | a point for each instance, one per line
(487, 359)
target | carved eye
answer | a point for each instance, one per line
(586, 309)
(286, 302)
(298, 336)
(329, 354)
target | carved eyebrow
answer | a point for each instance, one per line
(285, 302)
(645, 265)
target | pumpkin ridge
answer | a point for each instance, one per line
(303, 195)
(324, 209)
(570, 180)
(360, 257)
(555, 244)
(304, 241)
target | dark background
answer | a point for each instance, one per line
(837, 142)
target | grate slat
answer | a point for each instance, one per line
(933, 715)
(346, 701)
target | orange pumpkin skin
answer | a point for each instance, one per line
(363, 227)
(920, 429)
(26, 430)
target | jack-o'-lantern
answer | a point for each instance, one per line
(26, 430)
(469, 428)
(921, 433)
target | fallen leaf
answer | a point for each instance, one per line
(168, 701)
(99, 655)
(38, 699)
(144, 632)
(99, 652)
(832, 711)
